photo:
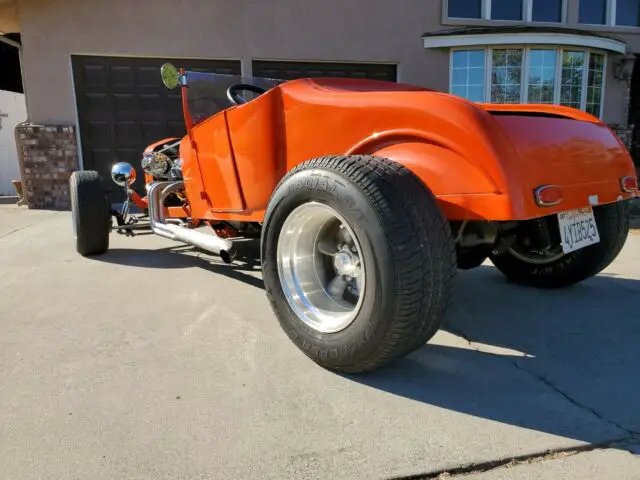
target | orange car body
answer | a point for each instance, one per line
(483, 162)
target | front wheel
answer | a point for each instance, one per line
(358, 261)
(89, 213)
(555, 269)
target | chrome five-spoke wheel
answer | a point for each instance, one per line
(321, 267)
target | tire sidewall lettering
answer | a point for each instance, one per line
(329, 188)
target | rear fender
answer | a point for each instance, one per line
(445, 171)
(465, 190)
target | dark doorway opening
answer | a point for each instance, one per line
(11, 76)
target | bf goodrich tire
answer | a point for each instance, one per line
(90, 213)
(613, 227)
(370, 230)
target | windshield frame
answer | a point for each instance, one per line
(206, 94)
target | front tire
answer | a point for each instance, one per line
(90, 213)
(574, 267)
(381, 289)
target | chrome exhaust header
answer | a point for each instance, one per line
(157, 194)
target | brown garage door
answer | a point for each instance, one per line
(123, 107)
(293, 70)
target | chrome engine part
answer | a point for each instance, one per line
(157, 193)
(164, 164)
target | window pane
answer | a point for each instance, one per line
(542, 76)
(536, 57)
(465, 8)
(593, 12)
(459, 90)
(573, 69)
(594, 84)
(468, 74)
(460, 58)
(500, 75)
(506, 9)
(476, 58)
(476, 76)
(628, 13)
(512, 94)
(459, 76)
(506, 76)
(547, 10)
(476, 93)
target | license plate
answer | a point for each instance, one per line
(578, 229)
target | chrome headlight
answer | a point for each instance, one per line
(123, 174)
(156, 164)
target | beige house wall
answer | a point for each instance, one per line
(327, 30)
(8, 16)
(331, 30)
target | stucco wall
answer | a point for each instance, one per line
(8, 16)
(332, 30)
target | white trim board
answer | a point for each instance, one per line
(563, 39)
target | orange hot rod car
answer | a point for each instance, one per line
(367, 196)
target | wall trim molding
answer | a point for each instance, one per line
(557, 39)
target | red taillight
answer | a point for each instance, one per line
(629, 184)
(548, 195)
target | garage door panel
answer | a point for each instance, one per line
(124, 103)
(122, 76)
(131, 155)
(127, 133)
(97, 134)
(103, 159)
(173, 104)
(147, 77)
(153, 131)
(94, 76)
(123, 106)
(152, 102)
(292, 70)
(174, 127)
(96, 104)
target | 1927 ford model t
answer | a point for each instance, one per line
(368, 196)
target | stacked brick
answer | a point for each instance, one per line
(48, 155)
(624, 132)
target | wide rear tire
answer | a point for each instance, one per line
(613, 226)
(399, 239)
(90, 213)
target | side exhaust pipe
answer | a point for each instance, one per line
(157, 194)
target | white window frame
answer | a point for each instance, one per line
(527, 13)
(524, 82)
(611, 10)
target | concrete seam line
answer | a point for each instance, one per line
(29, 225)
(549, 384)
(510, 462)
(597, 414)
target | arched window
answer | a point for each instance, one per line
(568, 76)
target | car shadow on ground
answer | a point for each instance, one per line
(563, 362)
(244, 268)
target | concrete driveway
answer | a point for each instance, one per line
(154, 362)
